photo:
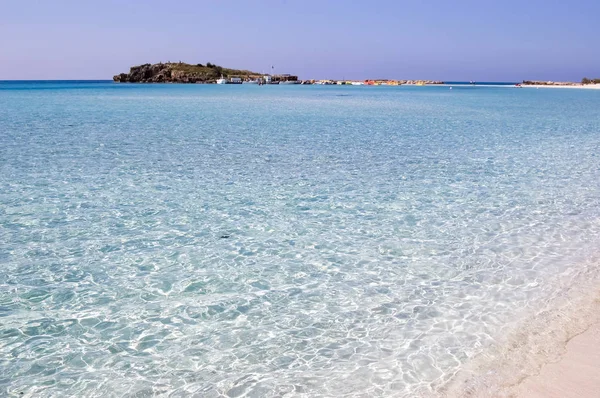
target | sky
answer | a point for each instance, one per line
(457, 40)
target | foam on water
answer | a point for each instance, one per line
(282, 241)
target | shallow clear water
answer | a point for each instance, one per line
(191, 240)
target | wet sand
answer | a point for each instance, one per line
(576, 374)
(554, 353)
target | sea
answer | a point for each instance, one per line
(284, 241)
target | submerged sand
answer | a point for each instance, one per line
(554, 353)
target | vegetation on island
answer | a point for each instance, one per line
(585, 80)
(179, 72)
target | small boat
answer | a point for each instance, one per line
(250, 82)
(222, 80)
(289, 82)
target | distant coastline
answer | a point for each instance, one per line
(210, 73)
(572, 86)
(585, 83)
(530, 84)
(180, 73)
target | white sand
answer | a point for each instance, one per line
(554, 351)
(576, 374)
(587, 86)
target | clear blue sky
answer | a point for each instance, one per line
(430, 39)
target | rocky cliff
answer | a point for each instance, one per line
(179, 73)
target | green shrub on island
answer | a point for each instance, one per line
(180, 72)
(585, 80)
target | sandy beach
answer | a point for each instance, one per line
(554, 354)
(576, 374)
(587, 86)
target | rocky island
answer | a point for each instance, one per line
(180, 73)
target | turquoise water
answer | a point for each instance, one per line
(204, 240)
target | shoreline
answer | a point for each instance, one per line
(581, 86)
(575, 375)
(536, 354)
(574, 86)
